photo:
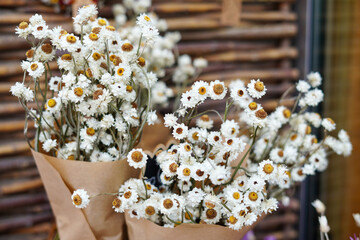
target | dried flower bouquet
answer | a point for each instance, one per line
(201, 183)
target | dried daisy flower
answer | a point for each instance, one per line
(80, 198)
(256, 89)
(137, 158)
(319, 206)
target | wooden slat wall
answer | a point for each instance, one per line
(259, 46)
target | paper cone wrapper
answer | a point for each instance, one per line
(98, 220)
(141, 229)
(154, 135)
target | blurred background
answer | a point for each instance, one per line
(278, 41)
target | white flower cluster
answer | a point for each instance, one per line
(96, 109)
(233, 175)
(289, 137)
(161, 54)
(200, 174)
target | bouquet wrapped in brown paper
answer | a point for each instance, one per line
(62, 177)
(89, 118)
(204, 182)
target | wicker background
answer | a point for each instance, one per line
(260, 45)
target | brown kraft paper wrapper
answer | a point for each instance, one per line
(141, 229)
(98, 220)
(153, 136)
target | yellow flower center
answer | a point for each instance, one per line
(242, 213)
(71, 157)
(51, 102)
(205, 118)
(218, 89)
(90, 131)
(137, 156)
(96, 56)
(127, 195)
(179, 130)
(129, 88)
(141, 61)
(240, 93)
(268, 168)
(308, 129)
(280, 153)
(120, 71)
(232, 220)
(187, 148)
(101, 22)
(78, 91)
(195, 136)
(253, 196)
(293, 137)
(23, 25)
(253, 106)
(66, 57)
(168, 203)
(202, 90)
(77, 200)
(173, 167)
(287, 113)
(186, 172)
(112, 57)
(211, 213)
(150, 210)
(93, 37)
(147, 18)
(127, 47)
(110, 28)
(46, 48)
(34, 66)
(236, 195)
(71, 39)
(259, 86)
(30, 53)
(116, 203)
(261, 113)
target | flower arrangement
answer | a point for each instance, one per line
(162, 55)
(95, 110)
(99, 105)
(234, 174)
(227, 174)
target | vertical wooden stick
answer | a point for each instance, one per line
(230, 14)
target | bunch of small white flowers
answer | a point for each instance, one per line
(161, 55)
(288, 136)
(96, 109)
(203, 179)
